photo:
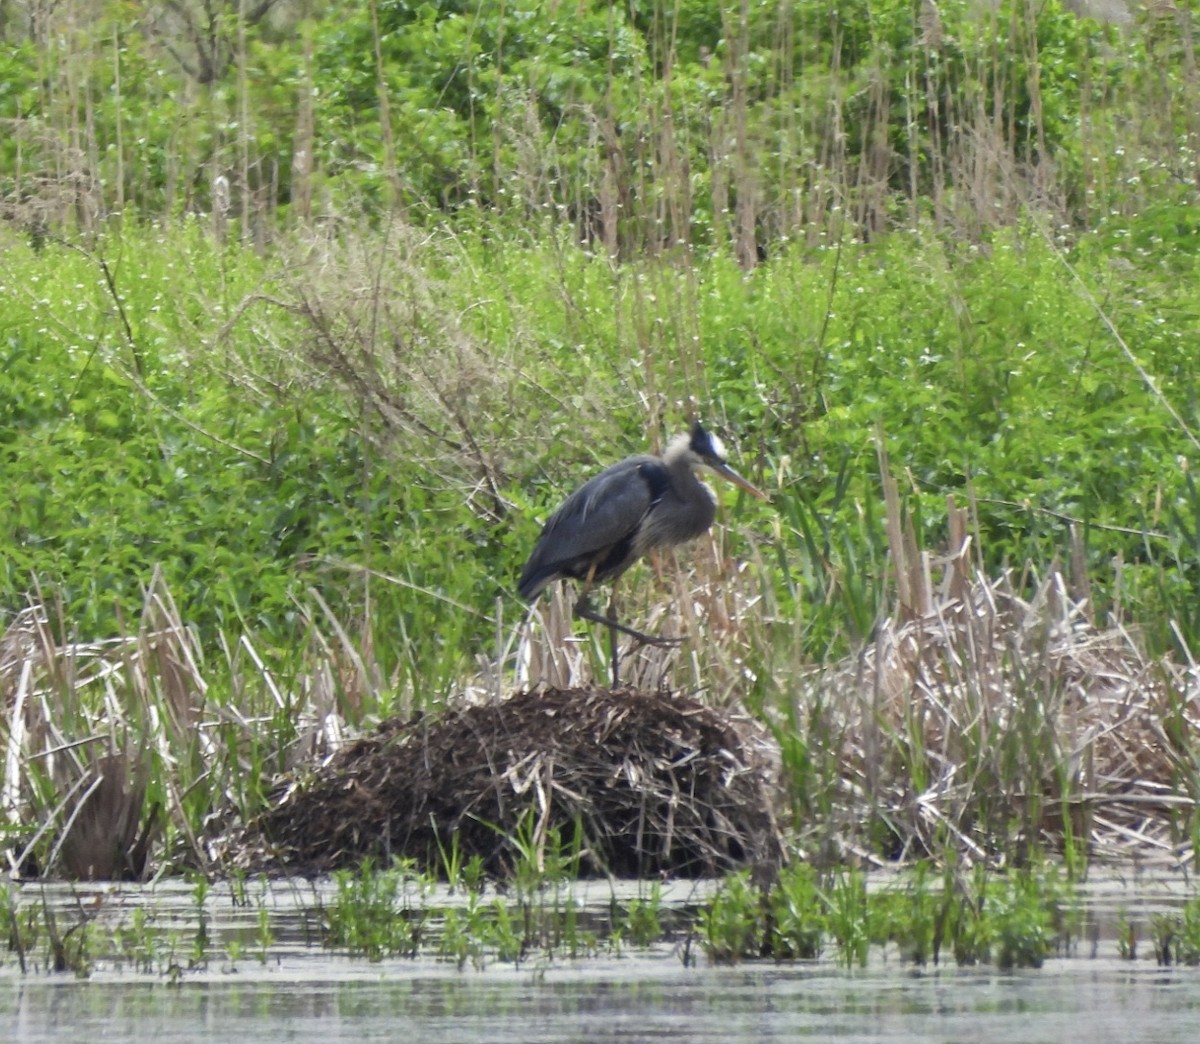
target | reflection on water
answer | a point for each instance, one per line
(302, 993)
(639, 999)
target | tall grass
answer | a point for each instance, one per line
(121, 747)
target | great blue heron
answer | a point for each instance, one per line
(612, 520)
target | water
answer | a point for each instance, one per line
(301, 993)
(642, 999)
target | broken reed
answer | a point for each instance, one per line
(996, 718)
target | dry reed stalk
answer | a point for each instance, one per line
(1004, 722)
(89, 729)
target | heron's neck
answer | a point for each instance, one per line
(678, 452)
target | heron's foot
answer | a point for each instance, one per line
(659, 641)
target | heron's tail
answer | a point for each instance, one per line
(535, 578)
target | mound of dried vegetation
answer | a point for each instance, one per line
(993, 724)
(629, 783)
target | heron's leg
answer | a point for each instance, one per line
(584, 611)
(614, 650)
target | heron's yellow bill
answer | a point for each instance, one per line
(725, 471)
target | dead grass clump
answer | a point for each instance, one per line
(77, 749)
(997, 724)
(107, 747)
(654, 783)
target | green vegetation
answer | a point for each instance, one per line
(1176, 936)
(250, 478)
(311, 316)
(372, 912)
(1012, 920)
(921, 916)
(642, 127)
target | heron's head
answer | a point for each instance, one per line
(705, 448)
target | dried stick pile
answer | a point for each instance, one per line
(653, 783)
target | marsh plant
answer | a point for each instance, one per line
(639, 923)
(1176, 936)
(949, 649)
(929, 914)
(1016, 919)
(376, 912)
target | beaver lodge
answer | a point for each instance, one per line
(630, 783)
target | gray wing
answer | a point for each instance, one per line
(600, 514)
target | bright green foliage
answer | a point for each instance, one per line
(640, 923)
(791, 920)
(456, 74)
(1016, 919)
(376, 913)
(848, 920)
(464, 934)
(248, 474)
(730, 924)
(797, 916)
(1023, 927)
(246, 482)
(911, 916)
(1013, 920)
